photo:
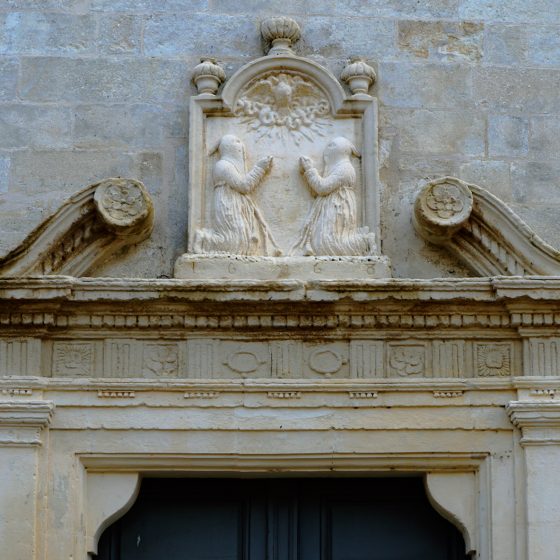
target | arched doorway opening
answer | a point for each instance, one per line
(282, 519)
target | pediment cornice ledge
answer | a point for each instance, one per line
(481, 230)
(497, 289)
(87, 230)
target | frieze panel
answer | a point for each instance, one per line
(326, 360)
(20, 357)
(73, 359)
(287, 358)
(244, 359)
(366, 358)
(201, 354)
(543, 356)
(493, 359)
(161, 360)
(206, 358)
(407, 359)
(449, 358)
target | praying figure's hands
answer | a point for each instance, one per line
(265, 163)
(305, 164)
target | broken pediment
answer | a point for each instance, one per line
(85, 231)
(481, 231)
(283, 171)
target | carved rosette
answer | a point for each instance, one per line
(281, 32)
(442, 207)
(122, 203)
(208, 75)
(359, 76)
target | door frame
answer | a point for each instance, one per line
(457, 484)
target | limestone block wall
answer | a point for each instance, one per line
(98, 88)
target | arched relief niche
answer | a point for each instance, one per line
(251, 195)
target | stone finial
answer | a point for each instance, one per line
(359, 75)
(208, 75)
(281, 32)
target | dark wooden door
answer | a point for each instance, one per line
(282, 519)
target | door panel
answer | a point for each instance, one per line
(282, 519)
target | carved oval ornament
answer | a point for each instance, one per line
(243, 362)
(282, 103)
(122, 202)
(325, 361)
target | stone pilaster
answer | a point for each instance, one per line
(21, 430)
(539, 423)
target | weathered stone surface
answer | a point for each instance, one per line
(536, 11)
(492, 175)
(440, 132)
(543, 46)
(8, 78)
(120, 34)
(124, 126)
(40, 171)
(402, 8)
(441, 40)
(73, 6)
(435, 86)
(505, 44)
(104, 80)
(25, 126)
(45, 33)
(332, 37)
(534, 180)
(149, 6)
(507, 135)
(518, 90)
(4, 173)
(201, 34)
(543, 219)
(544, 141)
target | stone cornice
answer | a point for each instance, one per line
(36, 414)
(534, 414)
(22, 422)
(84, 290)
(539, 422)
(377, 329)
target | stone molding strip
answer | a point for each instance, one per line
(85, 231)
(481, 230)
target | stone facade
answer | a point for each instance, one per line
(287, 342)
(95, 88)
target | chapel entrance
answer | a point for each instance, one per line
(282, 519)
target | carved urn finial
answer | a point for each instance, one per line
(208, 75)
(281, 32)
(359, 75)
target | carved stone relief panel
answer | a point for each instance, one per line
(244, 359)
(326, 360)
(407, 359)
(493, 359)
(161, 360)
(277, 177)
(73, 359)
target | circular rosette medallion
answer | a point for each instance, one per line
(443, 206)
(122, 203)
